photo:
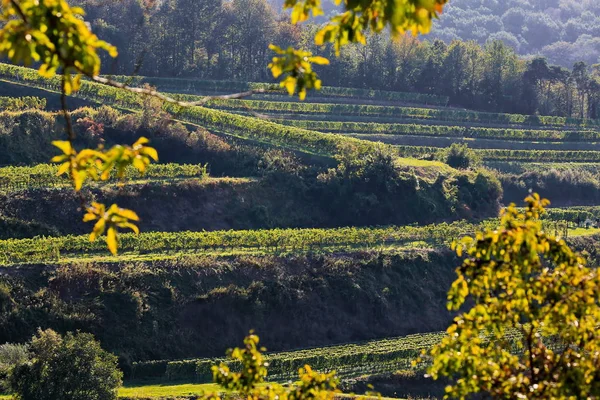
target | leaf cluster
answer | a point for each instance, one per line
(296, 65)
(53, 34)
(518, 276)
(98, 164)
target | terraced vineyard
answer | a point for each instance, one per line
(51, 249)
(475, 132)
(275, 241)
(341, 123)
(297, 137)
(197, 86)
(45, 175)
(349, 360)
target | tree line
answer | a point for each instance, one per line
(210, 39)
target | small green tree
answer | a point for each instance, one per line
(73, 367)
(460, 156)
(532, 329)
(11, 355)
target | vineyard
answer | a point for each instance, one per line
(274, 241)
(314, 142)
(377, 151)
(475, 132)
(52, 249)
(350, 360)
(210, 87)
(249, 128)
(45, 175)
(551, 156)
(397, 112)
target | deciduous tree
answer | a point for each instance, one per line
(532, 311)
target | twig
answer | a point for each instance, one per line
(17, 7)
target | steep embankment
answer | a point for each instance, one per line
(201, 306)
(209, 204)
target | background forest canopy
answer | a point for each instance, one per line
(472, 56)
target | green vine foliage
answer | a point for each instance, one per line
(519, 277)
(55, 35)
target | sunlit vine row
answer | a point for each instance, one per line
(348, 360)
(201, 86)
(45, 249)
(444, 130)
(45, 175)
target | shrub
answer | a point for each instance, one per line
(73, 367)
(460, 156)
(11, 355)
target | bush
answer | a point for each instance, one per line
(460, 156)
(11, 355)
(73, 367)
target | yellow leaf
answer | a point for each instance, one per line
(63, 145)
(99, 226)
(111, 240)
(140, 141)
(302, 94)
(131, 226)
(125, 213)
(139, 164)
(319, 60)
(112, 51)
(57, 159)
(45, 72)
(150, 152)
(63, 168)
(79, 179)
(67, 87)
(276, 70)
(89, 217)
(290, 84)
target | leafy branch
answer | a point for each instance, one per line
(351, 26)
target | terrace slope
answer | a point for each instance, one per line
(199, 306)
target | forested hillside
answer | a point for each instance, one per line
(476, 66)
(564, 31)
